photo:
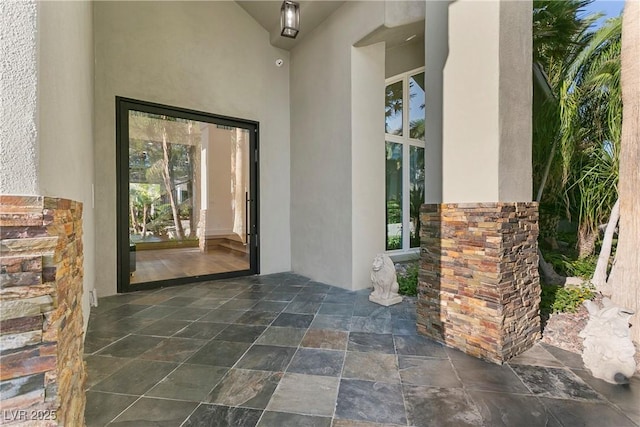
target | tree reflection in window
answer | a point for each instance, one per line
(393, 109)
(405, 160)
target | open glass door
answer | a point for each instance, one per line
(187, 196)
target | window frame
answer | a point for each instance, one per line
(406, 141)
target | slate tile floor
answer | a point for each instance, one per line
(281, 350)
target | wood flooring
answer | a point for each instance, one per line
(164, 264)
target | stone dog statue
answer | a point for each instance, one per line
(608, 349)
(385, 283)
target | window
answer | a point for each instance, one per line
(404, 151)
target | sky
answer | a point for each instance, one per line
(611, 9)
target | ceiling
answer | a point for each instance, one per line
(313, 13)
(267, 14)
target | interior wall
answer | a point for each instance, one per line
(228, 177)
(207, 56)
(65, 120)
(321, 143)
(219, 213)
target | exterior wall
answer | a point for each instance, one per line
(47, 106)
(41, 322)
(516, 102)
(18, 108)
(489, 158)
(322, 186)
(470, 140)
(367, 160)
(337, 133)
(207, 56)
(436, 47)
(479, 288)
(405, 57)
(398, 13)
(65, 125)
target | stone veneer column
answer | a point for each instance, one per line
(479, 288)
(42, 373)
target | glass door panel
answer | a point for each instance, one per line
(393, 191)
(189, 198)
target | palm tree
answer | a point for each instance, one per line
(141, 200)
(559, 32)
(625, 275)
(170, 151)
(590, 123)
(576, 131)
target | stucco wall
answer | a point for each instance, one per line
(407, 56)
(18, 101)
(487, 118)
(436, 47)
(367, 160)
(471, 104)
(516, 102)
(321, 144)
(47, 108)
(207, 56)
(65, 126)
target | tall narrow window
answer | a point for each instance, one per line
(404, 154)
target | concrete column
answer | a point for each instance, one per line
(436, 48)
(479, 287)
(486, 104)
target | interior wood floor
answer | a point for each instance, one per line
(163, 264)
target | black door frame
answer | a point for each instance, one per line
(123, 106)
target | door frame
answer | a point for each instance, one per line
(123, 106)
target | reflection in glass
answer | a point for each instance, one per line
(394, 195)
(163, 159)
(416, 192)
(188, 197)
(393, 109)
(416, 106)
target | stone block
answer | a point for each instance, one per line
(27, 361)
(21, 324)
(21, 386)
(13, 341)
(41, 326)
(478, 282)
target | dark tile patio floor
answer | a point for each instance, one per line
(281, 350)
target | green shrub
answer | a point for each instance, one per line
(582, 267)
(394, 212)
(568, 266)
(559, 299)
(408, 282)
(394, 242)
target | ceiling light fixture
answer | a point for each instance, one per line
(289, 19)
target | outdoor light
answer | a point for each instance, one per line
(290, 19)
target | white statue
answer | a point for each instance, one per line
(385, 283)
(608, 349)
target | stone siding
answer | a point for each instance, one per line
(42, 373)
(479, 289)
